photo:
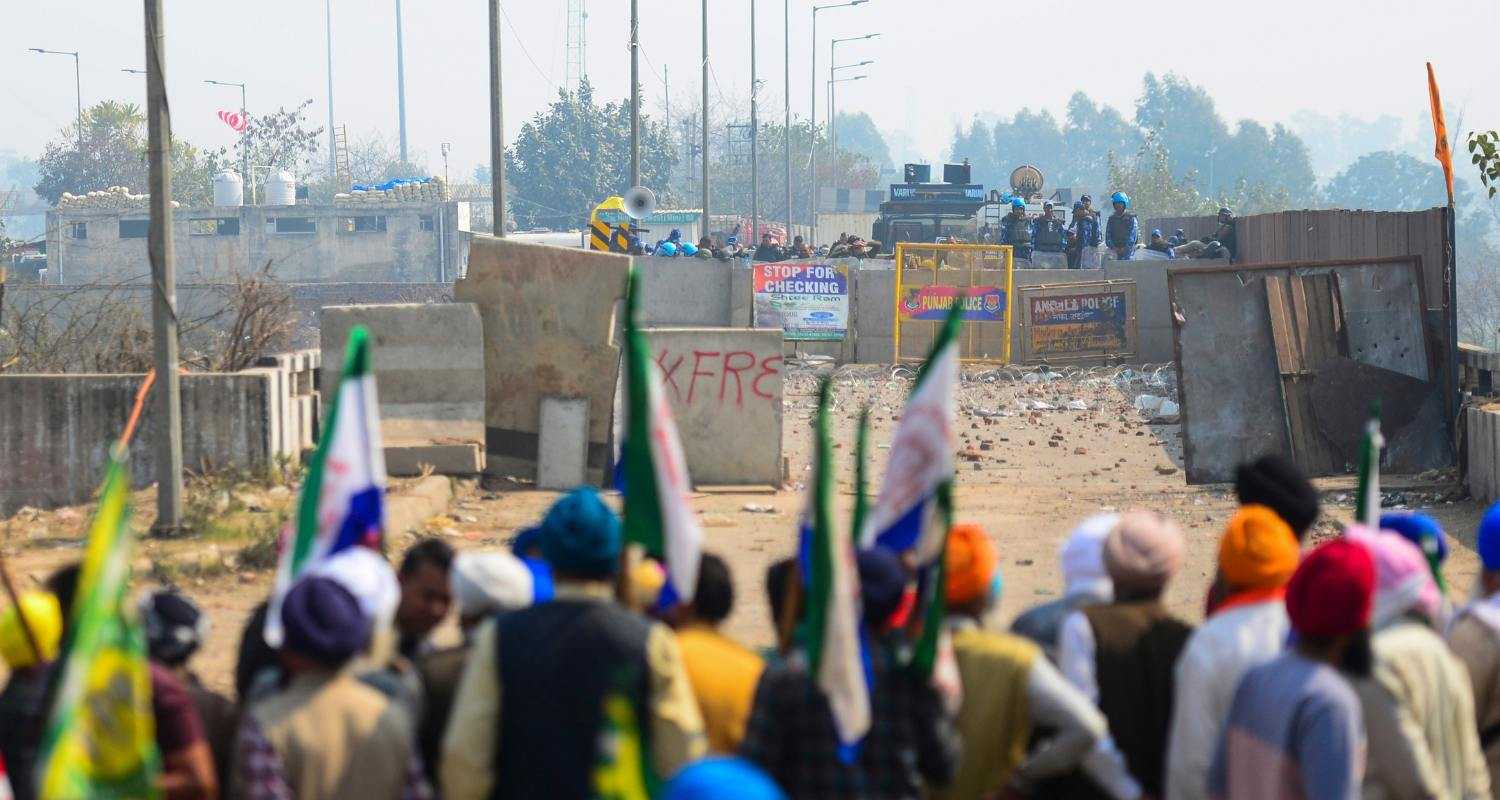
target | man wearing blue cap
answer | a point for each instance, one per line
(1122, 232)
(1016, 229)
(1475, 638)
(557, 666)
(326, 734)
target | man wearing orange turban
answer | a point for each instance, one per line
(1009, 687)
(1257, 556)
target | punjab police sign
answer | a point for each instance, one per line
(1079, 322)
(809, 301)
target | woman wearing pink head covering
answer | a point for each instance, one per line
(1419, 704)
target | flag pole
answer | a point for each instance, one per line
(791, 597)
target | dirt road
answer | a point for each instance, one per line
(1030, 468)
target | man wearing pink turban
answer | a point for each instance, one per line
(1419, 704)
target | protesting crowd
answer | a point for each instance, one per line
(592, 661)
(1342, 671)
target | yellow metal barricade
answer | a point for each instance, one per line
(931, 277)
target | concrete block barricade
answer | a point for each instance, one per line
(56, 431)
(725, 387)
(549, 317)
(428, 361)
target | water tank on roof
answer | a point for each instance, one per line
(281, 189)
(229, 189)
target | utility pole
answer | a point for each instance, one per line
(497, 126)
(786, 38)
(333, 148)
(164, 281)
(754, 147)
(401, 82)
(635, 95)
(704, 154)
(666, 83)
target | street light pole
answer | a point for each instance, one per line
(704, 148)
(635, 95)
(164, 281)
(832, 97)
(754, 140)
(497, 127)
(401, 82)
(786, 93)
(77, 84)
(244, 135)
(812, 91)
(833, 122)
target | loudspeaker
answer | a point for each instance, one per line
(956, 173)
(640, 202)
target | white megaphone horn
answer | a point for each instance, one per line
(640, 203)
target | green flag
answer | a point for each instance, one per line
(652, 473)
(100, 738)
(1367, 509)
(861, 459)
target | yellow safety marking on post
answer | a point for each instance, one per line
(599, 236)
(620, 242)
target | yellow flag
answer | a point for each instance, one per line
(100, 738)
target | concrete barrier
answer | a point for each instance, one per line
(548, 320)
(1482, 452)
(429, 367)
(725, 388)
(56, 431)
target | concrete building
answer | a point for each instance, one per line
(395, 242)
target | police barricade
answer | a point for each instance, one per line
(1094, 321)
(931, 277)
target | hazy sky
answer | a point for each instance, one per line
(937, 61)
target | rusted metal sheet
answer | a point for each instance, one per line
(1287, 357)
(1228, 380)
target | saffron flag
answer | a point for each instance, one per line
(100, 737)
(652, 473)
(831, 622)
(1440, 150)
(1368, 502)
(342, 501)
(922, 457)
